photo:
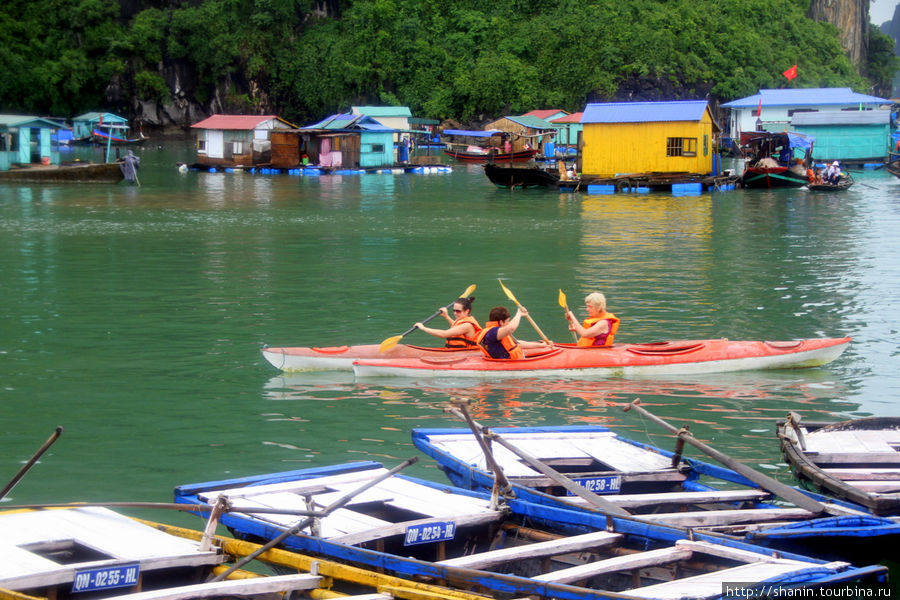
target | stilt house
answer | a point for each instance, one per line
(236, 140)
(26, 140)
(351, 141)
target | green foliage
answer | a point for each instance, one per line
(465, 59)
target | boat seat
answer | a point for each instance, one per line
(618, 563)
(709, 585)
(640, 500)
(708, 518)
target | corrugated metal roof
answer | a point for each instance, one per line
(805, 97)
(235, 122)
(531, 122)
(573, 118)
(95, 116)
(545, 113)
(348, 121)
(27, 120)
(644, 112)
(382, 111)
(842, 117)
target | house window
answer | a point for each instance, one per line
(237, 147)
(793, 111)
(681, 147)
(377, 147)
(201, 145)
(705, 145)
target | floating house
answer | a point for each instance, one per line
(349, 141)
(236, 140)
(847, 125)
(84, 125)
(26, 140)
(393, 117)
(648, 137)
(569, 129)
(527, 132)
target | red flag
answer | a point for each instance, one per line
(759, 107)
(790, 73)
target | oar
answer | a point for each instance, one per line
(27, 466)
(509, 295)
(392, 341)
(501, 483)
(565, 306)
(764, 481)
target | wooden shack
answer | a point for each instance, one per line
(26, 139)
(526, 132)
(236, 140)
(84, 125)
(349, 141)
(647, 137)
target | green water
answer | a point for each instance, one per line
(133, 316)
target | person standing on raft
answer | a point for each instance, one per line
(463, 326)
(599, 328)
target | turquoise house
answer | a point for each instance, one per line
(853, 136)
(351, 141)
(26, 139)
(83, 125)
(569, 129)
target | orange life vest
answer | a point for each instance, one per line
(601, 340)
(464, 341)
(509, 342)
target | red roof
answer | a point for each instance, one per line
(543, 114)
(232, 122)
(573, 118)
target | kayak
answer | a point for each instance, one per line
(619, 360)
(342, 357)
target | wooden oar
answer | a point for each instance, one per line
(548, 471)
(27, 466)
(501, 483)
(509, 295)
(392, 341)
(565, 306)
(346, 498)
(764, 481)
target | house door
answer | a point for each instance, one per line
(215, 143)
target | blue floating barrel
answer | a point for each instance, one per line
(595, 188)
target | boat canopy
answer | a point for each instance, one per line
(472, 133)
(798, 140)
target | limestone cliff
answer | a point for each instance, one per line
(851, 17)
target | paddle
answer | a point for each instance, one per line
(764, 481)
(27, 466)
(392, 341)
(564, 304)
(509, 295)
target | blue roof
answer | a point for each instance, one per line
(472, 132)
(644, 112)
(805, 97)
(347, 121)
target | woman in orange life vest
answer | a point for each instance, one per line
(496, 339)
(600, 327)
(463, 326)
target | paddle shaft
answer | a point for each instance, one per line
(27, 466)
(436, 313)
(764, 481)
(509, 295)
(461, 412)
(306, 522)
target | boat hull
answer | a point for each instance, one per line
(342, 357)
(772, 178)
(512, 177)
(477, 157)
(77, 173)
(621, 360)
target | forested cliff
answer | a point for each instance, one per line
(172, 62)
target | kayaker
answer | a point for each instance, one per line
(600, 327)
(496, 339)
(463, 326)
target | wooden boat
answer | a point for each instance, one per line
(95, 552)
(105, 137)
(512, 177)
(893, 168)
(342, 357)
(857, 460)
(764, 171)
(427, 531)
(488, 156)
(76, 172)
(656, 485)
(845, 182)
(620, 360)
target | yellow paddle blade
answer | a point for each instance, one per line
(508, 293)
(468, 291)
(562, 300)
(389, 343)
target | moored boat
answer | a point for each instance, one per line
(658, 486)
(845, 182)
(620, 360)
(893, 168)
(76, 172)
(490, 156)
(341, 357)
(512, 177)
(104, 137)
(771, 162)
(857, 460)
(426, 531)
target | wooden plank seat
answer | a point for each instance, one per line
(864, 474)
(875, 487)
(227, 588)
(705, 518)
(709, 585)
(563, 545)
(685, 498)
(849, 458)
(618, 563)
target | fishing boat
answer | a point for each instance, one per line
(771, 162)
(857, 460)
(475, 148)
(341, 357)
(371, 517)
(619, 360)
(656, 485)
(513, 177)
(845, 182)
(95, 552)
(473, 155)
(99, 136)
(71, 172)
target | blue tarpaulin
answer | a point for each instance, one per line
(797, 140)
(472, 133)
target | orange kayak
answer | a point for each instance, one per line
(342, 357)
(620, 360)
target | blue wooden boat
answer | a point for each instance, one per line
(641, 480)
(505, 549)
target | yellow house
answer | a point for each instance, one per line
(647, 137)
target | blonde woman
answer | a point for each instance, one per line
(600, 326)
